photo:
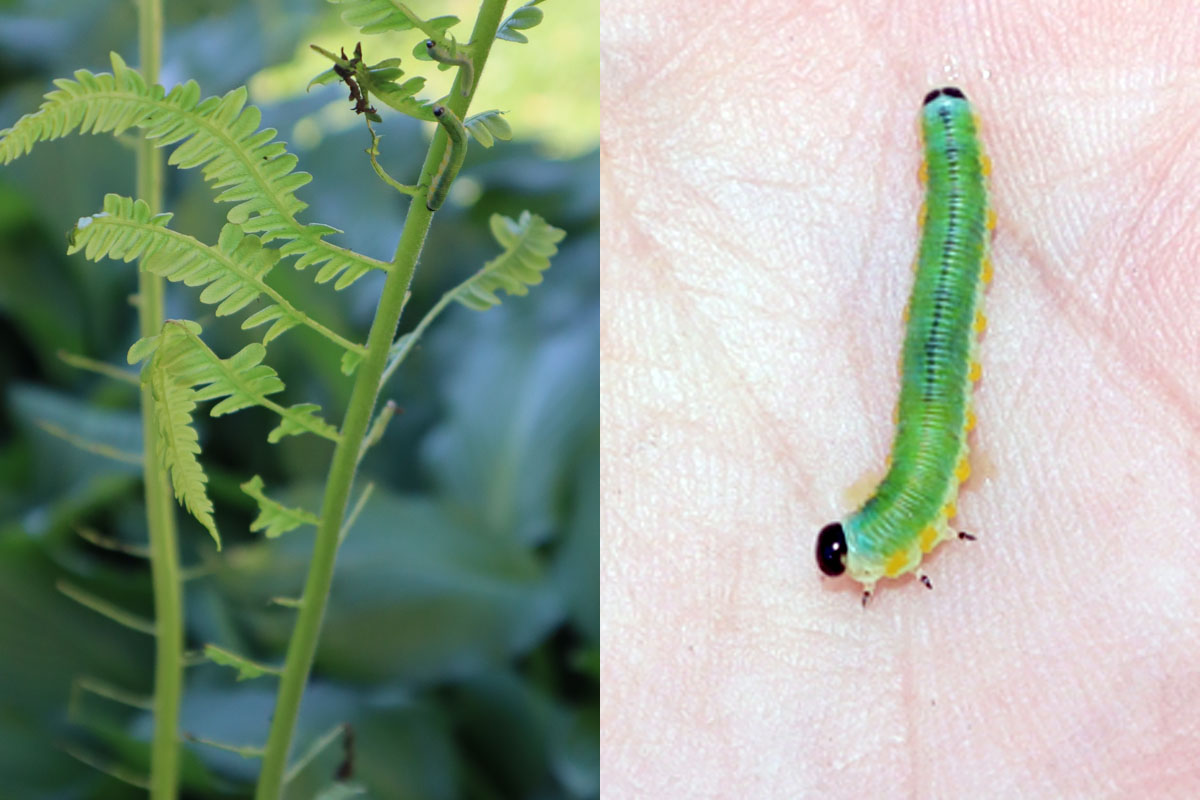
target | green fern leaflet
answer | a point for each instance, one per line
(180, 446)
(233, 273)
(183, 371)
(529, 243)
(377, 16)
(273, 517)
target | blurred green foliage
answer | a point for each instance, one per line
(462, 635)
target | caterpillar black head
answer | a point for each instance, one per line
(831, 549)
(948, 91)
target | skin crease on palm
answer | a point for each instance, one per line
(760, 202)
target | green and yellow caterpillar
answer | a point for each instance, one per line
(909, 513)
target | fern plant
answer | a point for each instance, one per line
(254, 172)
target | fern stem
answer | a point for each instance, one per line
(411, 339)
(160, 511)
(303, 645)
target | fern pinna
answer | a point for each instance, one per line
(254, 172)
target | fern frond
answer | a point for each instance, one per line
(377, 16)
(488, 126)
(174, 405)
(92, 103)
(274, 517)
(528, 243)
(233, 272)
(240, 381)
(219, 134)
(525, 17)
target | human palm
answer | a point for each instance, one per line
(760, 204)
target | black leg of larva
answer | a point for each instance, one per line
(966, 537)
(925, 580)
(866, 597)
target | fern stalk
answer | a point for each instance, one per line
(160, 510)
(303, 645)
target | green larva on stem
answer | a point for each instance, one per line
(444, 56)
(452, 158)
(909, 512)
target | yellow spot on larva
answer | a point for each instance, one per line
(991, 220)
(976, 371)
(907, 312)
(923, 176)
(921, 213)
(980, 322)
(963, 471)
(977, 122)
(950, 510)
(928, 538)
(895, 419)
(970, 426)
(987, 270)
(985, 166)
(897, 562)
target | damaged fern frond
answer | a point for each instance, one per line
(219, 134)
(380, 80)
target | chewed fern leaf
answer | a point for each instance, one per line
(233, 272)
(218, 134)
(273, 517)
(180, 446)
(377, 16)
(528, 243)
(238, 382)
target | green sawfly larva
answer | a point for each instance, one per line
(443, 56)
(452, 158)
(909, 513)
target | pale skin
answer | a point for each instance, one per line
(760, 201)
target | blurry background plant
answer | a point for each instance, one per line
(462, 636)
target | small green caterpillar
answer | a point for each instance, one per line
(444, 56)
(452, 158)
(908, 514)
